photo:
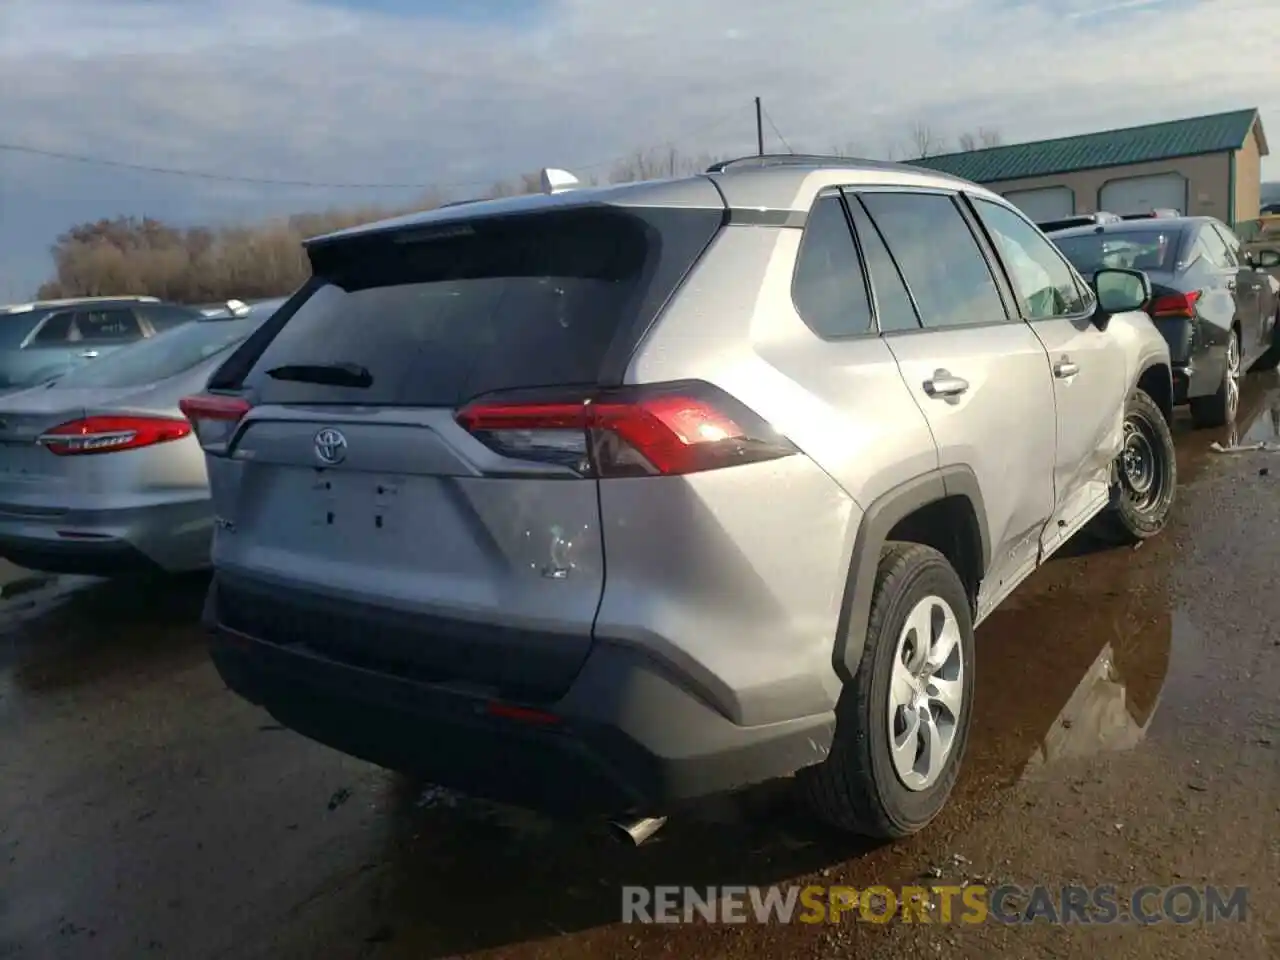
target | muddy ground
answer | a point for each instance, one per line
(1127, 731)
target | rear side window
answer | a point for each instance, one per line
(55, 332)
(941, 261)
(828, 288)
(894, 308)
(166, 317)
(105, 326)
(456, 310)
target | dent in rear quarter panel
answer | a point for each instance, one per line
(734, 578)
(740, 573)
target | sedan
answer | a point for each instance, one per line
(1213, 302)
(99, 471)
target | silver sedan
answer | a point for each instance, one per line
(100, 473)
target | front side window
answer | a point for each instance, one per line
(1044, 282)
(940, 259)
(828, 289)
(55, 332)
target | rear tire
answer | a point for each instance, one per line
(1220, 408)
(1146, 475)
(912, 689)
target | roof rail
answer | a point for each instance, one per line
(783, 160)
(75, 301)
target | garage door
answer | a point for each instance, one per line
(1047, 203)
(1143, 194)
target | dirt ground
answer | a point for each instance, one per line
(1126, 731)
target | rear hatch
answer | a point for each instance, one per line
(359, 519)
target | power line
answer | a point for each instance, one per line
(90, 160)
(776, 131)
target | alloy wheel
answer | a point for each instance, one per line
(926, 692)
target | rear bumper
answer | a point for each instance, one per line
(1181, 383)
(108, 542)
(627, 737)
(91, 558)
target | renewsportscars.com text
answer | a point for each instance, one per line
(939, 903)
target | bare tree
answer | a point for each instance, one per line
(851, 150)
(979, 139)
(659, 164)
(924, 142)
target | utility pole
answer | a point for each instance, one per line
(759, 129)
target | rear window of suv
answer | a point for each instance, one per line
(448, 311)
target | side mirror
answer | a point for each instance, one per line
(1119, 291)
(1267, 259)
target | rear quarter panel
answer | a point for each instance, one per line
(741, 581)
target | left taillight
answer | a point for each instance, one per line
(214, 418)
(112, 434)
(651, 430)
(1175, 305)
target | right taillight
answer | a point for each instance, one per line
(1175, 305)
(658, 430)
(214, 418)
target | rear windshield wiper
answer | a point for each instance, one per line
(330, 374)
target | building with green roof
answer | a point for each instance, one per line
(1201, 166)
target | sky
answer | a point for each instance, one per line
(377, 102)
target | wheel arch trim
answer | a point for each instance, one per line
(879, 518)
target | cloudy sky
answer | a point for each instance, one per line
(409, 94)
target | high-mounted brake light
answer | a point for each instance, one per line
(214, 418)
(662, 430)
(111, 434)
(1176, 305)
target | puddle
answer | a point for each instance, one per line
(1073, 664)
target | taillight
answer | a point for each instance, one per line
(109, 434)
(1175, 305)
(662, 430)
(214, 418)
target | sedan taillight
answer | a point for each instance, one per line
(111, 434)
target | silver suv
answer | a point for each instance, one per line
(602, 499)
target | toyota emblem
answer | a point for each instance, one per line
(331, 446)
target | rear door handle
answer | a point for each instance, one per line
(1065, 368)
(943, 384)
(89, 354)
(1231, 285)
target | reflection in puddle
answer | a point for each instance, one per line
(1073, 666)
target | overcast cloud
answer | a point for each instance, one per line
(458, 94)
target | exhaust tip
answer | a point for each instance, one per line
(633, 833)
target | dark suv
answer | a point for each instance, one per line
(43, 340)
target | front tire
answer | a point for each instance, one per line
(1219, 409)
(902, 723)
(1146, 474)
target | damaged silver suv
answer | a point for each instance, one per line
(599, 500)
